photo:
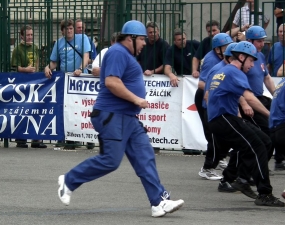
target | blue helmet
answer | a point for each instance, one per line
(229, 48)
(245, 47)
(134, 27)
(255, 32)
(220, 40)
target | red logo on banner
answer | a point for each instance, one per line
(192, 107)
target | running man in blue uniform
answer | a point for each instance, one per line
(219, 43)
(121, 98)
(226, 88)
(225, 186)
(277, 120)
(257, 77)
(277, 110)
(232, 170)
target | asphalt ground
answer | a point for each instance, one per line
(28, 193)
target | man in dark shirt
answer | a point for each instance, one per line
(152, 55)
(213, 28)
(279, 12)
(179, 56)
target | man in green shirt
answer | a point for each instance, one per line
(25, 59)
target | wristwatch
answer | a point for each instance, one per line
(80, 68)
(282, 10)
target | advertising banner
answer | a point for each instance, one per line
(162, 118)
(34, 107)
(79, 97)
(31, 106)
(192, 130)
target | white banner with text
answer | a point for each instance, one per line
(171, 118)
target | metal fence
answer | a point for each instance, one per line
(102, 18)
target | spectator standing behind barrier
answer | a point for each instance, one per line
(179, 56)
(97, 63)
(227, 86)
(25, 59)
(80, 27)
(72, 52)
(120, 99)
(212, 28)
(279, 12)
(245, 15)
(277, 52)
(153, 53)
(238, 34)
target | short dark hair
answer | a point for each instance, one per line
(66, 23)
(151, 24)
(211, 23)
(235, 55)
(24, 28)
(178, 31)
(122, 37)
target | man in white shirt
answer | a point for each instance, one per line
(96, 65)
(245, 15)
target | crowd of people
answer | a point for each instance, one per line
(238, 120)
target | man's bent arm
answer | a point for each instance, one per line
(255, 103)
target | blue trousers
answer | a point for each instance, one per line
(118, 135)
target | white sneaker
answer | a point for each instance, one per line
(209, 174)
(166, 206)
(202, 173)
(64, 193)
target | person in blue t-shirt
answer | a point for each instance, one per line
(277, 123)
(80, 29)
(257, 76)
(213, 154)
(219, 43)
(226, 88)
(233, 171)
(281, 71)
(71, 51)
(179, 56)
(120, 99)
(277, 53)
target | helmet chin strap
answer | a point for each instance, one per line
(220, 54)
(227, 59)
(242, 62)
(134, 44)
